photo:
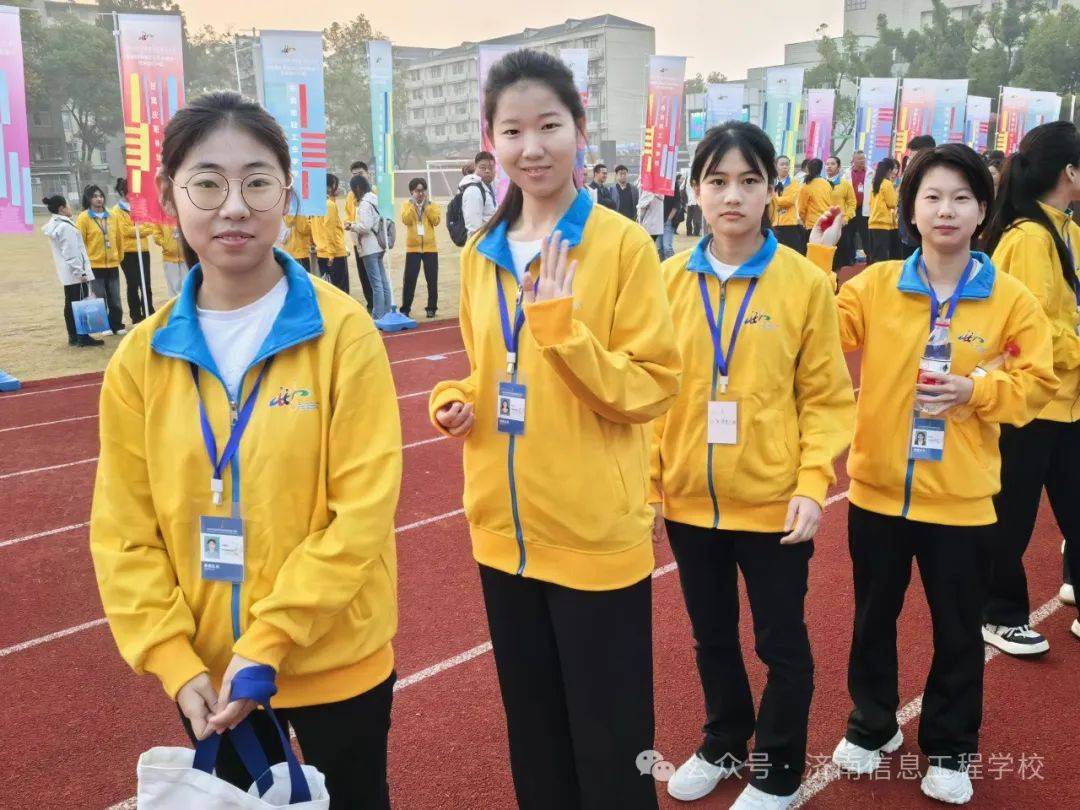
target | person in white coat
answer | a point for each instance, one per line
(72, 263)
(369, 220)
(478, 203)
(651, 217)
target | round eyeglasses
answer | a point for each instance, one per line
(209, 190)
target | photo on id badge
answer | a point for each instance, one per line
(927, 440)
(221, 549)
(510, 408)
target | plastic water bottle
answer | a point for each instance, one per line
(936, 359)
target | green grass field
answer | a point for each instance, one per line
(33, 340)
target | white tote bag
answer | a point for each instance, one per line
(182, 779)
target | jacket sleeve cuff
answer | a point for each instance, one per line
(821, 255)
(551, 322)
(264, 644)
(813, 484)
(981, 391)
(174, 662)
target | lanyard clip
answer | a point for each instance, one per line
(217, 487)
(723, 384)
(511, 362)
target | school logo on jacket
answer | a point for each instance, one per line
(297, 399)
(972, 337)
(756, 317)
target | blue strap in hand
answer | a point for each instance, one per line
(255, 683)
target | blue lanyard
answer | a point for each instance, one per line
(935, 304)
(510, 336)
(722, 360)
(233, 444)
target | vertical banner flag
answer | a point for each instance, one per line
(819, 123)
(152, 89)
(663, 124)
(292, 65)
(783, 103)
(724, 101)
(977, 123)
(874, 117)
(697, 127)
(486, 56)
(16, 203)
(931, 107)
(577, 59)
(1042, 108)
(381, 68)
(1012, 114)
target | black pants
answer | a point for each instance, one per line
(693, 220)
(345, 741)
(860, 230)
(575, 673)
(72, 293)
(431, 278)
(130, 265)
(884, 245)
(952, 564)
(1043, 453)
(304, 262)
(365, 282)
(791, 235)
(845, 248)
(106, 285)
(775, 575)
(336, 271)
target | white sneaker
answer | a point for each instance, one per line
(945, 785)
(120, 332)
(1075, 628)
(753, 799)
(1020, 641)
(1067, 594)
(697, 777)
(855, 759)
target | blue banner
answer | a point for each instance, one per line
(293, 91)
(381, 68)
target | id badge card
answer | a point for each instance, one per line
(221, 548)
(420, 228)
(723, 423)
(927, 440)
(511, 409)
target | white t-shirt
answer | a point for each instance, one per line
(724, 271)
(235, 336)
(523, 253)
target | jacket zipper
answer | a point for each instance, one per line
(709, 450)
(519, 534)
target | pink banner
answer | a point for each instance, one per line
(916, 114)
(152, 88)
(819, 123)
(663, 124)
(16, 204)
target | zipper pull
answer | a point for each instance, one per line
(234, 413)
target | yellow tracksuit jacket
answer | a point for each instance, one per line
(328, 232)
(414, 242)
(785, 209)
(883, 207)
(93, 232)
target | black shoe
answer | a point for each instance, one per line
(73, 340)
(86, 340)
(430, 313)
(404, 312)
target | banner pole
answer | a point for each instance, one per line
(236, 60)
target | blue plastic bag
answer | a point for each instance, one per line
(90, 315)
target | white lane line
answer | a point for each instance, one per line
(34, 642)
(46, 469)
(442, 666)
(46, 424)
(6, 397)
(413, 332)
(422, 442)
(426, 521)
(16, 540)
(824, 777)
(432, 357)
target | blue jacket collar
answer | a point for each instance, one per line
(124, 206)
(753, 268)
(299, 320)
(103, 215)
(495, 246)
(978, 288)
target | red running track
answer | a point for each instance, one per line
(78, 704)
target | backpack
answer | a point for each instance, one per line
(385, 230)
(455, 216)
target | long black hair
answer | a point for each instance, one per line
(359, 185)
(1031, 173)
(527, 66)
(814, 167)
(194, 122)
(881, 173)
(753, 144)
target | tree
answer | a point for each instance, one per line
(1051, 53)
(76, 69)
(348, 92)
(842, 64)
(943, 48)
(208, 62)
(1007, 26)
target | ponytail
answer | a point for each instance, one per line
(813, 170)
(1030, 174)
